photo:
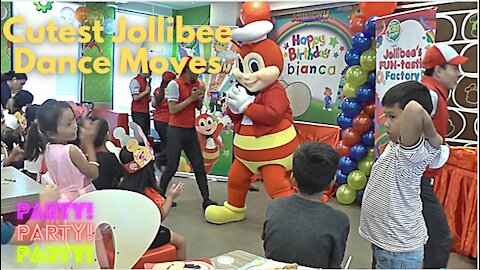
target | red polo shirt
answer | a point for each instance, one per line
(161, 112)
(142, 105)
(440, 119)
(179, 90)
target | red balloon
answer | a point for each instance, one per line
(357, 24)
(370, 9)
(82, 14)
(362, 122)
(369, 109)
(255, 11)
(342, 149)
(350, 136)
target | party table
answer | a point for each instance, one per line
(16, 188)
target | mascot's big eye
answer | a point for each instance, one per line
(253, 65)
(209, 121)
(240, 64)
(201, 122)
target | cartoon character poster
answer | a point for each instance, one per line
(314, 44)
(402, 40)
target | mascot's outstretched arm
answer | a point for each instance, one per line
(265, 137)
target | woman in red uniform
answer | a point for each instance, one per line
(161, 116)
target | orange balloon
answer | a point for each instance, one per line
(342, 149)
(369, 109)
(82, 14)
(362, 122)
(370, 9)
(255, 11)
(357, 24)
(350, 136)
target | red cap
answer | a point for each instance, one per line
(441, 54)
(168, 76)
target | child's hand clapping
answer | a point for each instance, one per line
(176, 190)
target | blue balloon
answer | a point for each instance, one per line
(360, 42)
(109, 26)
(341, 178)
(359, 198)
(368, 138)
(351, 107)
(346, 165)
(365, 93)
(372, 79)
(358, 151)
(370, 27)
(344, 122)
(352, 57)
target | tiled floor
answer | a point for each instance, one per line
(206, 240)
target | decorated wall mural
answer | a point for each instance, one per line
(314, 46)
(6, 47)
(459, 22)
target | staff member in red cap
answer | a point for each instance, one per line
(161, 115)
(441, 75)
(140, 89)
(184, 95)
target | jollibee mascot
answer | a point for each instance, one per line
(265, 137)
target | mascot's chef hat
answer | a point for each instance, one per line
(257, 23)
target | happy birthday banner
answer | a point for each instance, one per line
(402, 40)
(314, 46)
(159, 29)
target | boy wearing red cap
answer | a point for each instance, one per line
(140, 89)
(184, 95)
(161, 115)
(441, 75)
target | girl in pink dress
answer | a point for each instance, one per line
(70, 170)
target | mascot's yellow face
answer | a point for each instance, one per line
(258, 65)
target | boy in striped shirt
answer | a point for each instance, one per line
(391, 217)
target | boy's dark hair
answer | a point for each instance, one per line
(11, 137)
(429, 72)
(22, 98)
(47, 118)
(12, 74)
(405, 92)
(139, 180)
(314, 166)
(102, 131)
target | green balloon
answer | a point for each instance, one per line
(371, 153)
(365, 165)
(356, 180)
(356, 76)
(368, 60)
(348, 90)
(96, 16)
(345, 194)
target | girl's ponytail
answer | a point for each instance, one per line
(35, 143)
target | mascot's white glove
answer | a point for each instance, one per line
(225, 120)
(239, 99)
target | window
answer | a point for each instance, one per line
(121, 93)
(44, 86)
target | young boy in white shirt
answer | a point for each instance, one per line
(391, 217)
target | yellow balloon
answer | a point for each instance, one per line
(348, 90)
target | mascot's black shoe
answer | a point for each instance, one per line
(206, 203)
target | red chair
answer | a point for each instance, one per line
(165, 253)
(114, 120)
